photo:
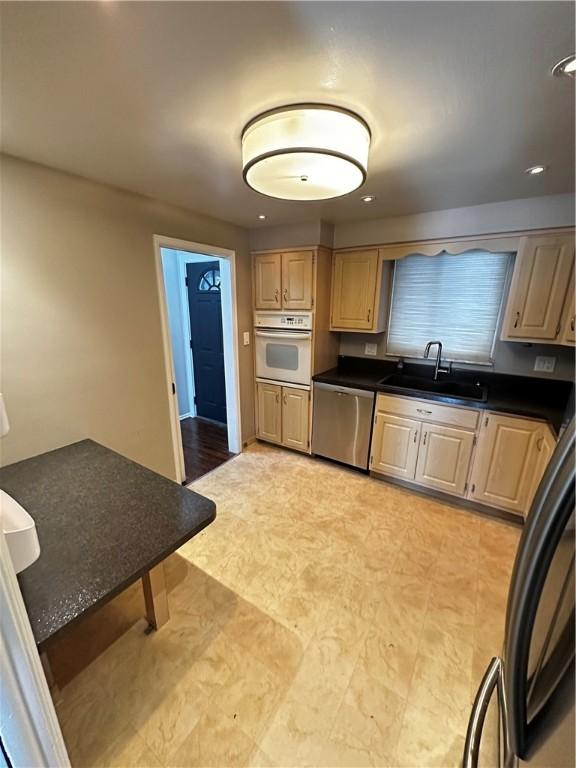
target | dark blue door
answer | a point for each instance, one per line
(206, 339)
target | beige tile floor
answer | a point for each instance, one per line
(324, 619)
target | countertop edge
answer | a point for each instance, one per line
(527, 411)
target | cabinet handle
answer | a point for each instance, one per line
(557, 330)
(276, 295)
(285, 294)
(423, 410)
(285, 399)
(572, 324)
(416, 436)
(369, 312)
(517, 320)
(277, 397)
(539, 443)
(424, 441)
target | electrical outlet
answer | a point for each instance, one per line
(246, 338)
(370, 349)
(546, 364)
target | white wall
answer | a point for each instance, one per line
(82, 352)
(509, 356)
(314, 232)
(508, 216)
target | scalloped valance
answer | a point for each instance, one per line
(454, 247)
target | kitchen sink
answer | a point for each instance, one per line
(460, 390)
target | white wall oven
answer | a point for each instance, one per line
(283, 346)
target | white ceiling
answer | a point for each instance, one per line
(152, 97)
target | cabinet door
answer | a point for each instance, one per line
(395, 446)
(297, 280)
(267, 281)
(505, 462)
(538, 288)
(545, 446)
(569, 319)
(354, 276)
(444, 458)
(269, 412)
(295, 418)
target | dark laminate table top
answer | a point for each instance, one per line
(521, 395)
(102, 522)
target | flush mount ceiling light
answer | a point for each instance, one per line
(305, 152)
(368, 198)
(262, 216)
(566, 67)
(535, 170)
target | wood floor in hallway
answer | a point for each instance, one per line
(205, 445)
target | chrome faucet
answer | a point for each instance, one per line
(438, 367)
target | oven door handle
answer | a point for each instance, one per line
(300, 335)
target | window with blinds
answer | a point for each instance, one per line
(452, 298)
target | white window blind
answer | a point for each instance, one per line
(455, 299)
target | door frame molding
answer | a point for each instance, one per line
(230, 333)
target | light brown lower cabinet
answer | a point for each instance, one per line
(504, 471)
(444, 458)
(269, 412)
(395, 446)
(295, 418)
(284, 415)
(507, 461)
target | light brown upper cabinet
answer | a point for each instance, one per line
(360, 289)
(569, 317)
(506, 462)
(283, 280)
(268, 281)
(538, 288)
(297, 280)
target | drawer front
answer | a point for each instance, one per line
(425, 410)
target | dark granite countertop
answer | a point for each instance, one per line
(521, 395)
(102, 522)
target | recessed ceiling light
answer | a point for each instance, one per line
(566, 67)
(305, 152)
(535, 170)
(262, 216)
(368, 198)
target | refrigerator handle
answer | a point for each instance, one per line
(490, 681)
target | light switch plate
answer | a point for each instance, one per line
(370, 349)
(246, 338)
(546, 364)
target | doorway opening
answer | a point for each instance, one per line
(199, 319)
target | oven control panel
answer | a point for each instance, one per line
(301, 321)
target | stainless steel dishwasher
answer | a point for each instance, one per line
(342, 424)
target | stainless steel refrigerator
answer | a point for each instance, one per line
(523, 714)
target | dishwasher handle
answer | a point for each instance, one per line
(340, 390)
